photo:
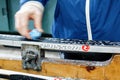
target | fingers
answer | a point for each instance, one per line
(21, 24)
(38, 21)
(23, 16)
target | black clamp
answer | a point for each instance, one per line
(31, 57)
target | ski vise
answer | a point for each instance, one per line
(33, 51)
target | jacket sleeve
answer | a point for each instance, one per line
(42, 1)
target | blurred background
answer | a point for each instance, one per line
(8, 8)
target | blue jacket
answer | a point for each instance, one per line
(70, 19)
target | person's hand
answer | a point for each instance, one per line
(30, 10)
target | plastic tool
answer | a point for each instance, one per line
(35, 34)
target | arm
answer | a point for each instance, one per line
(30, 10)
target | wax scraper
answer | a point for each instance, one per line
(35, 34)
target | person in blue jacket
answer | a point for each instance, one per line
(74, 19)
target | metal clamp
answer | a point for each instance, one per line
(31, 57)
